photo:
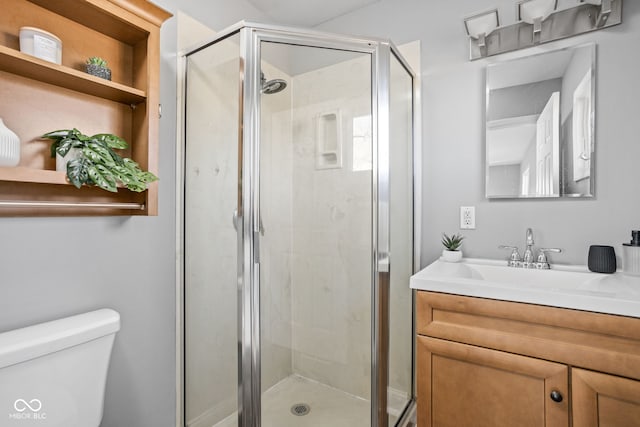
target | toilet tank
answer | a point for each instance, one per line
(53, 374)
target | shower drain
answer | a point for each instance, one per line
(300, 409)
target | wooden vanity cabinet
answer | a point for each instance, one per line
(475, 386)
(491, 363)
(37, 96)
(604, 400)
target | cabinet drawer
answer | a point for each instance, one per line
(589, 340)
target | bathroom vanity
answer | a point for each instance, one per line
(498, 346)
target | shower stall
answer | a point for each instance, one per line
(297, 231)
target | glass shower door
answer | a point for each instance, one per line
(210, 239)
(297, 231)
(400, 387)
(316, 259)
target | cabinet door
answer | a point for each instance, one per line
(601, 400)
(466, 386)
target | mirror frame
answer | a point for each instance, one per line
(592, 126)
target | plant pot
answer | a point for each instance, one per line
(61, 162)
(98, 71)
(451, 256)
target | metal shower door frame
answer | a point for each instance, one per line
(251, 38)
(248, 213)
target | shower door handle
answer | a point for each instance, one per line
(235, 219)
(383, 263)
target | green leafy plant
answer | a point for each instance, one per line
(96, 60)
(98, 163)
(452, 243)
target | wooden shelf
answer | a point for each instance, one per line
(24, 174)
(42, 96)
(31, 67)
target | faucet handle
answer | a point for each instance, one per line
(542, 257)
(514, 258)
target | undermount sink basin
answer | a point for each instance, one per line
(563, 286)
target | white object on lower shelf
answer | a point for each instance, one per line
(9, 146)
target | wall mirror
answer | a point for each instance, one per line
(540, 122)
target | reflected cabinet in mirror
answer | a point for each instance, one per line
(540, 125)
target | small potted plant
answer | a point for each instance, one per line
(96, 163)
(97, 66)
(451, 251)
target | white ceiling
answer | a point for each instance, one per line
(308, 13)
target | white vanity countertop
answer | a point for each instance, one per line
(572, 287)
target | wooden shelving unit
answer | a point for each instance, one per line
(33, 68)
(39, 96)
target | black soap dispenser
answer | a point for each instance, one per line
(631, 255)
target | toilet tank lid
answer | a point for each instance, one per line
(34, 341)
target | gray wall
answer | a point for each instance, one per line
(50, 266)
(453, 132)
(56, 267)
(510, 101)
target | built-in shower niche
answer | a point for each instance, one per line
(328, 140)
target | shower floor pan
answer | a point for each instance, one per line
(327, 406)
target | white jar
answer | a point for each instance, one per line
(41, 44)
(9, 146)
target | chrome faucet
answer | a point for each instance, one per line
(527, 260)
(514, 258)
(542, 262)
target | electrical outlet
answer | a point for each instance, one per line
(468, 217)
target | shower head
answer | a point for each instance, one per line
(271, 86)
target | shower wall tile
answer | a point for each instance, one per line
(211, 295)
(276, 162)
(401, 229)
(331, 265)
(210, 250)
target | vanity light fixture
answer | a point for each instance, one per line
(539, 22)
(605, 10)
(534, 12)
(480, 25)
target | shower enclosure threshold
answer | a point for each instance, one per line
(328, 406)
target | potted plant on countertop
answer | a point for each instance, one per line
(94, 161)
(97, 66)
(451, 251)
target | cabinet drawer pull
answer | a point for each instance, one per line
(556, 396)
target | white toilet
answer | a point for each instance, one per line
(53, 374)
